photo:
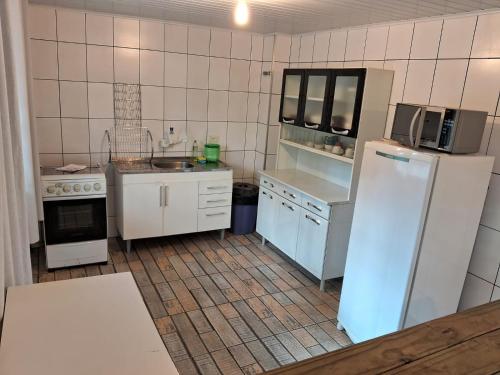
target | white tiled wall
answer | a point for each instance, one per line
(203, 82)
(453, 61)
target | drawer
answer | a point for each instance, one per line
(291, 194)
(215, 200)
(214, 218)
(317, 207)
(270, 184)
(216, 187)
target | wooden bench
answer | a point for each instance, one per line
(463, 343)
(96, 325)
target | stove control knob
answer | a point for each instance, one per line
(51, 189)
(66, 188)
(77, 187)
(87, 187)
(97, 186)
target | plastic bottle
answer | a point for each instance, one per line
(195, 149)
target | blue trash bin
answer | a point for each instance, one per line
(244, 210)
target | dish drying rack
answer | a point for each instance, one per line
(128, 140)
(128, 143)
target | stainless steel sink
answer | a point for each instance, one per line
(173, 164)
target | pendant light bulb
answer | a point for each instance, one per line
(241, 13)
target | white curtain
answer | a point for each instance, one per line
(18, 192)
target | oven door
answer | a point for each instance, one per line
(75, 220)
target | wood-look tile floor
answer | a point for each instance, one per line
(223, 306)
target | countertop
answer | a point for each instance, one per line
(311, 185)
(92, 325)
(463, 343)
(140, 167)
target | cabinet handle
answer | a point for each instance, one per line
(314, 206)
(161, 195)
(165, 195)
(216, 214)
(288, 206)
(317, 222)
(270, 196)
(217, 201)
(341, 132)
(289, 194)
(270, 183)
(216, 187)
(311, 126)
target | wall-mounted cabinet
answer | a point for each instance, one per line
(316, 97)
(291, 96)
(328, 100)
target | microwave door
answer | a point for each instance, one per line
(432, 127)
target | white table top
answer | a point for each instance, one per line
(96, 325)
(309, 184)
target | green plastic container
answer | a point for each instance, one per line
(212, 152)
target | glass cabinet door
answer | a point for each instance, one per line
(347, 96)
(316, 93)
(290, 98)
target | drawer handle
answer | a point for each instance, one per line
(216, 214)
(288, 206)
(317, 222)
(289, 194)
(270, 196)
(217, 201)
(216, 187)
(314, 206)
(270, 183)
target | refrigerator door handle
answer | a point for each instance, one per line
(412, 126)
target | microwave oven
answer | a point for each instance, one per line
(452, 130)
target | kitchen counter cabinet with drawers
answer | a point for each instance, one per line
(307, 218)
(307, 201)
(164, 204)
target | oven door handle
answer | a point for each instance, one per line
(72, 197)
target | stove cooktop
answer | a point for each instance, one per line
(84, 173)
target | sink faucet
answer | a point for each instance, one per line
(171, 139)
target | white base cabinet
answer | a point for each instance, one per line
(267, 213)
(287, 227)
(164, 204)
(311, 243)
(309, 231)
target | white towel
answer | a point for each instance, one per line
(72, 168)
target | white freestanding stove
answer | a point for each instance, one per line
(75, 224)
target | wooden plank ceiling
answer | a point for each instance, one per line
(288, 16)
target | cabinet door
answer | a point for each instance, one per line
(317, 84)
(347, 96)
(266, 214)
(288, 224)
(311, 242)
(291, 98)
(142, 210)
(181, 207)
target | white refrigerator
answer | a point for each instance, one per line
(415, 222)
